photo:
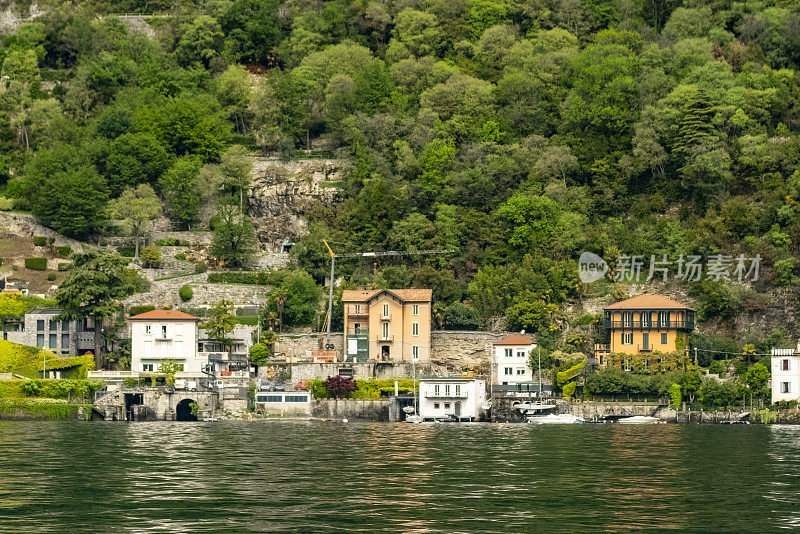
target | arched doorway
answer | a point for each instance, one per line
(183, 411)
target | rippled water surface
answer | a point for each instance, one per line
(377, 477)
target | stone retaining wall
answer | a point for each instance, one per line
(356, 410)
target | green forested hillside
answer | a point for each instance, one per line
(518, 133)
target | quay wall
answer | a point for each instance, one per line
(386, 410)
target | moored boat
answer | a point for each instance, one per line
(638, 420)
(560, 418)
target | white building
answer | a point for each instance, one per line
(786, 374)
(160, 335)
(511, 361)
(284, 402)
(459, 398)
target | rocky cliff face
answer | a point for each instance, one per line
(283, 191)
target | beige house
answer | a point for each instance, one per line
(387, 325)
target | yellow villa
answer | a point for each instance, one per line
(643, 325)
(387, 325)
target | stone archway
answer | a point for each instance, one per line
(183, 411)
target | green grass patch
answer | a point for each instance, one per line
(43, 409)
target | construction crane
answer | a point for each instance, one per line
(375, 254)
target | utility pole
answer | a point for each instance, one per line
(330, 297)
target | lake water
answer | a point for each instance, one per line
(378, 477)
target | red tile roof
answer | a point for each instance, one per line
(406, 295)
(515, 339)
(164, 315)
(648, 302)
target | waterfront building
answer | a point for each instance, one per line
(387, 325)
(283, 402)
(175, 336)
(458, 399)
(165, 335)
(643, 325)
(512, 364)
(786, 374)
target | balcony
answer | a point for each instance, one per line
(361, 312)
(600, 348)
(446, 395)
(640, 325)
(645, 348)
(162, 337)
(385, 338)
(386, 316)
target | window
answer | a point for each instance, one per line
(785, 387)
(663, 319)
(436, 389)
(663, 338)
(415, 352)
(645, 340)
(627, 338)
(147, 367)
(784, 365)
(414, 329)
(458, 390)
(163, 330)
(64, 341)
(520, 354)
(627, 319)
(386, 310)
(415, 309)
(40, 340)
(435, 405)
(64, 325)
(446, 405)
(509, 353)
(385, 329)
(645, 317)
(40, 325)
(508, 371)
(52, 341)
(447, 390)
(270, 398)
(53, 325)
(357, 308)
(295, 398)
(520, 371)
(148, 329)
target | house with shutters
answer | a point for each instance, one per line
(512, 363)
(165, 335)
(387, 325)
(643, 325)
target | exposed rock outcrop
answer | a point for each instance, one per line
(283, 192)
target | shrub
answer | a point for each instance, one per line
(51, 240)
(136, 310)
(103, 242)
(51, 277)
(675, 396)
(200, 267)
(151, 256)
(126, 251)
(569, 390)
(186, 293)
(40, 240)
(171, 242)
(6, 203)
(181, 256)
(64, 252)
(36, 264)
(339, 387)
(66, 266)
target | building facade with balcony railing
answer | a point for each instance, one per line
(388, 325)
(460, 399)
(645, 324)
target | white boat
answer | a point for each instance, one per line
(533, 406)
(414, 418)
(638, 420)
(555, 419)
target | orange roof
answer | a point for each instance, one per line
(164, 315)
(407, 295)
(645, 302)
(515, 339)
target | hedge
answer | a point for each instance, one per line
(249, 320)
(171, 242)
(253, 278)
(136, 310)
(65, 266)
(27, 361)
(64, 252)
(36, 264)
(126, 251)
(6, 203)
(43, 409)
(40, 240)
